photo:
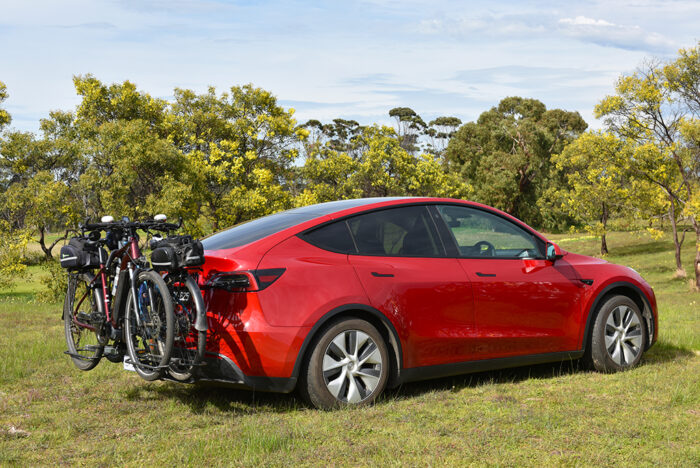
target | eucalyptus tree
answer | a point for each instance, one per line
(506, 154)
(657, 108)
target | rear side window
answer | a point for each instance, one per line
(396, 232)
(252, 231)
(334, 237)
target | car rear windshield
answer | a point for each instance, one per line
(254, 230)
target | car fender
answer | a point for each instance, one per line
(352, 309)
(595, 300)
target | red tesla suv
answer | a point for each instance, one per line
(342, 299)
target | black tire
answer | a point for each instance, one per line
(149, 341)
(189, 343)
(84, 344)
(357, 382)
(618, 338)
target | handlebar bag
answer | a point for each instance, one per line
(175, 252)
(79, 254)
(164, 258)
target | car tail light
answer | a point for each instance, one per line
(245, 281)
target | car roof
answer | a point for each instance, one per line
(327, 208)
(271, 229)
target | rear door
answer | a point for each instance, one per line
(402, 265)
(523, 303)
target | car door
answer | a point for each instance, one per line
(523, 304)
(401, 263)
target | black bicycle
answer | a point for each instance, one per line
(177, 258)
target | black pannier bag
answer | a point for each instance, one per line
(79, 255)
(176, 252)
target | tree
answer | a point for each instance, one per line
(326, 176)
(13, 244)
(657, 109)
(598, 185)
(383, 169)
(129, 166)
(40, 205)
(506, 153)
(341, 136)
(439, 132)
(119, 101)
(4, 115)
(409, 127)
(240, 145)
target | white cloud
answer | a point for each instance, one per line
(608, 34)
(582, 20)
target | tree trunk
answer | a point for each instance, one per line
(603, 241)
(676, 242)
(696, 225)
(42, 244)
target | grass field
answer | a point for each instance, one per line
(53, 414)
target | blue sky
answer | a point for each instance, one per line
(348, 59)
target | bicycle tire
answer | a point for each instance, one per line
(189, 343)
(149, 336)
(85, 347)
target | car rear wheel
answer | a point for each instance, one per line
(618, 338)
(348, 366)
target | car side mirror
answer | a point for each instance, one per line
(553, 252)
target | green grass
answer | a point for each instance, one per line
(535, 416)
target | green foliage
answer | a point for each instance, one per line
(13, 245)
(598, 185)
(239, 147)
(4, 115)
(120, 101)
(656, 109)
(383, 168)
(55, 283)
(507, 153)
(409, 127)
(129, 165)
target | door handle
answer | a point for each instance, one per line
(382, 275)
(478, 273)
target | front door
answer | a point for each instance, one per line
(523, 303)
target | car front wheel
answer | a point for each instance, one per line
(349, 365)
(618, 339)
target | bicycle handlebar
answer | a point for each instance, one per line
(152, 225)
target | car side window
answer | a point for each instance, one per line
(396, 232)
(334, 237)
(479, 233)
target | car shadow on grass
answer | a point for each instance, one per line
(204, 397)
(660, 353)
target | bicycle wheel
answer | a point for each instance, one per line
(82, 322)
(189, 343)
(149, 325)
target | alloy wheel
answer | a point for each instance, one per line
(352, 366)
(623, 335)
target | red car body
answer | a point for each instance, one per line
(440, 315)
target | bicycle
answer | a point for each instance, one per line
(176, 257)
(127, 302)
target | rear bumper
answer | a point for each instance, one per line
(222, 369)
